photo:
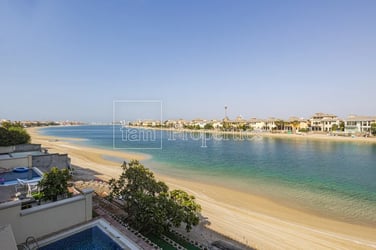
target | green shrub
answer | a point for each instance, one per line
(13, 135)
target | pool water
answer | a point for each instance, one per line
(10, 178)
(92, 238)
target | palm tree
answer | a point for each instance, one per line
(295, 125)
(280, 124)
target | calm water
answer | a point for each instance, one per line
(89, 239)
(336, 179)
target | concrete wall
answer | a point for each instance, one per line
(16, 162)
(7, 238)
(27, 147)
(45, 219)
(6, 150)
(40, 161)
(51, 160)
(20, 148)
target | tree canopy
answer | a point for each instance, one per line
(150, 206)
(335, 127)
(373, 128)
(54, 183)
(13, 134)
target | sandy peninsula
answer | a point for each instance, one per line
(252, 220)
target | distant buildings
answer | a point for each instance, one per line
(318, 123)
(28, 123)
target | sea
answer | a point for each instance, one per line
(330, 178)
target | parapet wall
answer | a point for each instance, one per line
(45, 219)
(27, 147)
(51, 160)
(44, 161)
(20, 148)
(7, 150)
(15, 162)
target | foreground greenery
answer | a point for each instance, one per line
(13, 134)
(54, 184)
(150, 206)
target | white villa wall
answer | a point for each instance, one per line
(27, 147)
(51, 160)
(16, 162)
(7, 238)
(20, 148)
(359, 124)
(45, 219)
(7, 150)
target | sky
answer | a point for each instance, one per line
(74, 60)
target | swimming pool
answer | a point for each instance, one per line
(95, 235)
(10, 178)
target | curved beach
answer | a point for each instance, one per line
(250, 219)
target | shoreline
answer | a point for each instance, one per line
(249, 219)
(297, 136)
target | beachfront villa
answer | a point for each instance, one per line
(151, 123)
(238, 122)
(271, 124)
(296, 124)
(256, 124)
(198, 123)
(21, 169)
(216, 124)
(359, 124)
(321, 122)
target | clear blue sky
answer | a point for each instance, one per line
(70, 59)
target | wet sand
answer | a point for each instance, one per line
(252, 220)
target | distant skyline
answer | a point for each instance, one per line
(64, 60)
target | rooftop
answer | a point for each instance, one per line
(360, 118)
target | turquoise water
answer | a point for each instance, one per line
(336, 179)
(90, 239)
(10, 178)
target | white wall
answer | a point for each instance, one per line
(7, 238)
(15, 162)
(45, 219)
(6, 150)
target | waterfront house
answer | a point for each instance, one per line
(198, 123)
(216, 124)
(271, 124)
(359, 124)
(256, 124)
(321, 122)
(296, 124)
(238, 123)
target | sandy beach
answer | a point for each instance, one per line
(252, 220)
